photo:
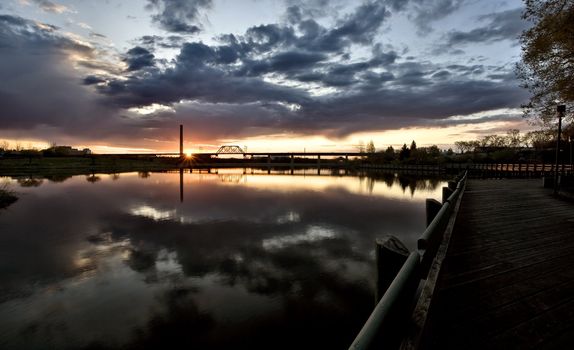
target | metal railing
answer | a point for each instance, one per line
(384, 324)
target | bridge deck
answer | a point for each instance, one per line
(508, 278)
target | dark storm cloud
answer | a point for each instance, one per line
(54, 98)
(283, 62)
(266, 37)
(359, 27)
(507, 25)
(233, 94)
(380, 101)
(362, 25)
(13, 20)
(299, 76)
(204, 73)
(138, 58)
(395, 108)
(284, 53)
(93, 79)
(179, 16)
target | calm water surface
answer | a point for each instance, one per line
(234, 261)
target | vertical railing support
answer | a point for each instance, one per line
(391, 254)
(446, 192)
(432, 208)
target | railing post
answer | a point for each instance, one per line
(391, 254)
(432, 208)
(446, 192)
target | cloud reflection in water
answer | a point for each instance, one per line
(122, 263)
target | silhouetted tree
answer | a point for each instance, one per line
(492, 141)
(371, 147)
(547, 66)
(434, 152)
(462, 146)
(513, 138)
(390, 154)
(405, 152)
(540, 138)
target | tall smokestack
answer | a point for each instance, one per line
(181, 140)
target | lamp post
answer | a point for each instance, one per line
(561, 109)
(570, 143)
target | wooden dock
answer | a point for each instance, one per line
(508, 278)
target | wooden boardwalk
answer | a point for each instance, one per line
(508, 278)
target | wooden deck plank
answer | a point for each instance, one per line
(508, 278)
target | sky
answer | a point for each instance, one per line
(268, 75)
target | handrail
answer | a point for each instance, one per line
(398, 298)
(431, 239)
(426, 239)
(395, 300)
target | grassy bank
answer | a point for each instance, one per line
(70, 166)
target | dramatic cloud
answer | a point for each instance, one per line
(138, 58)
(299, 77)
(179, 16)
(506, 25)
(323, 68)
(39, 88)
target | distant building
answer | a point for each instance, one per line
(66, 151)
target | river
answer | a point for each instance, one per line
(237, 259)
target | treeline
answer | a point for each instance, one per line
(52, 151)
(406, 154)
(539, 139)
(533, 146)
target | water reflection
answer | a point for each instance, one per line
(239, 258)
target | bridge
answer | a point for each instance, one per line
(237, 150)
